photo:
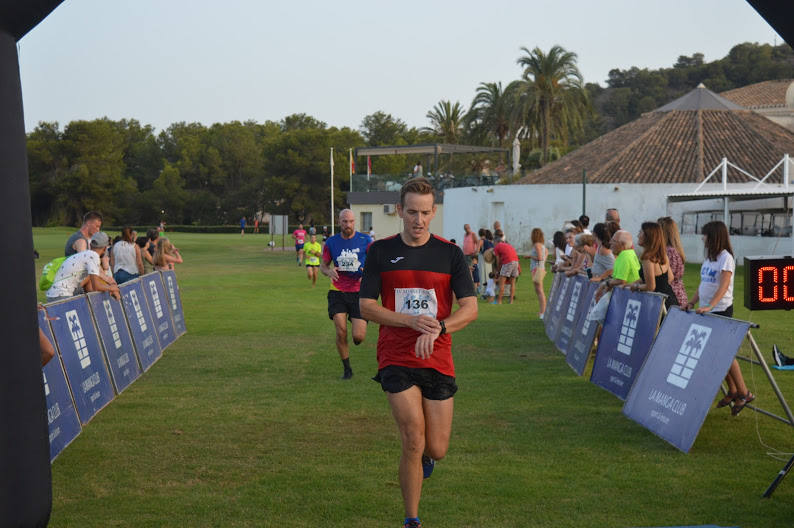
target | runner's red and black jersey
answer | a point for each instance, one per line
(415, 280)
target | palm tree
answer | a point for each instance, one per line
(446, 120)
(553, 93)
(492, 111)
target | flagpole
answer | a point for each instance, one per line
(350, 164)
(332, 190)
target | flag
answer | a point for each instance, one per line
(369, 165)
(332, 158)
(352, 163)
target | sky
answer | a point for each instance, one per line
(165, 61)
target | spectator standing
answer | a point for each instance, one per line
(127, 261)
(242, 226)
(537, 267)
(584, 221)
(143, 243)
(475, 273)
(82, 272)
(166, 255)
(612, 215)
(81, 239)
(570, 241)
(676, 256)
(486, 243)
(603, 260)
(627, 265)
(153, 235)
(470, 242)
(715, 295)
(655, 273)
(559, 243)
(507, 264)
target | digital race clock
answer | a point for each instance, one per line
(769, 283)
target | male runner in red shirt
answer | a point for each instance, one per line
(417, 276)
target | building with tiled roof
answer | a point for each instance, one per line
(772, 99)
(699, 158)
(680, 142)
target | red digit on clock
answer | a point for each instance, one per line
(761, 272)
(788, 272)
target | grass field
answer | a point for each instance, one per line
(244, 422)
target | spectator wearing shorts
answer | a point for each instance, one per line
(418, 276)
(343, 261)
(537, 267)
(507, 264)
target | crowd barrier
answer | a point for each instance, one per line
(102, 346)
(667, 381)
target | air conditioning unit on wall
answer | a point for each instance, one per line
(389, 209)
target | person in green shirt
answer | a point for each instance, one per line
(313, 251)
(627, 266)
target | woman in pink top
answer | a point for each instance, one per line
(507, 264)
(676, 257)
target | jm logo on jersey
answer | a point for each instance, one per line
(688, 355)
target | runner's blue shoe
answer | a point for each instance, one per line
(427, 466)
(413, 523)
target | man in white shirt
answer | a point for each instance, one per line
(82, 272)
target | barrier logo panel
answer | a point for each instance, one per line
(584, 332)
(140, 323)
(115, 336)
(569, 313)
(62, 419)
(155, 295)
(559, 307)
(675, 388)
(628, 332)
(174, 301)
(554, 292)
(82, 356)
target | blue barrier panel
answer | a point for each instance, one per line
(140, 323)
(570, 312)
(554, 291)
(116, 339)
(683, 371)
(62, 419)
(174, 301)
(82, 356)
(584, 332)
(559, 308)
(158, 306)
(628, 331)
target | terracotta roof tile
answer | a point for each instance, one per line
(675, 147)
(766, 94)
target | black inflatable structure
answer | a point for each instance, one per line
(25, 481)
(25, 485)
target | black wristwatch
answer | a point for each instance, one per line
(443, 328)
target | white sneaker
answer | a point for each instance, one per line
(540, 317)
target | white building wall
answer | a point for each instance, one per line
(390, 224)
(520, 208)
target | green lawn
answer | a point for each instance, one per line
(244, 422)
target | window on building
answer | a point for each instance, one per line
(366, 221)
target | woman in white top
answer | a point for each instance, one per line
(715, 295)
(126, 258)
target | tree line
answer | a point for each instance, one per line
(194, 174)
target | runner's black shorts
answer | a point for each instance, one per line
(433, 384)
(343, 302)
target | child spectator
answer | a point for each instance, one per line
(166, 255)
(475, 273)
(490, 288)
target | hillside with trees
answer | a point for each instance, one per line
(208, 175)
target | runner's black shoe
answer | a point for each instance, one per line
(428, 464)
(347, 375)
(781, 360)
